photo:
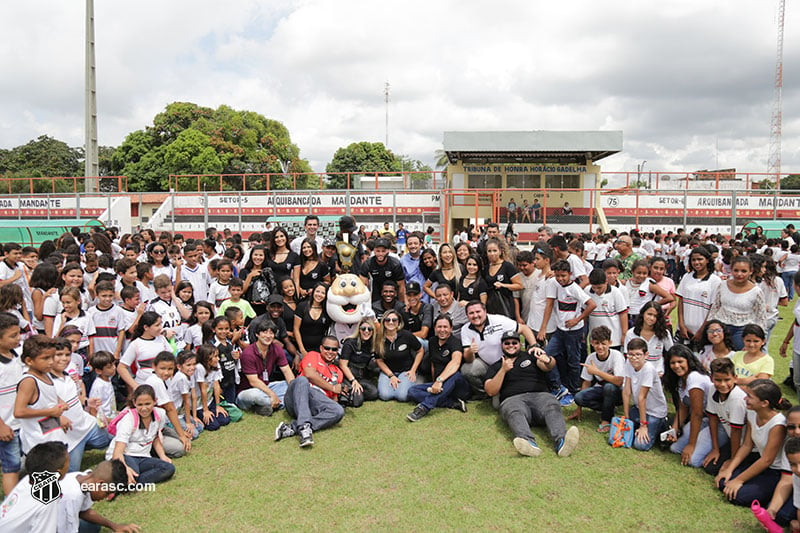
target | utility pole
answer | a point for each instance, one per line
(774, 161)
(386, 99)
(92, 168)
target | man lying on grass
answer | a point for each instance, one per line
(521, 381)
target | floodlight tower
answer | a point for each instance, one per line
(774, 161)
(90, 108)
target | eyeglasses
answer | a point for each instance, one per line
(365, 328)
(391, 319)
(331, 348)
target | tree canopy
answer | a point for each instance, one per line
(41, 157)
(189, 139)
(360, 157)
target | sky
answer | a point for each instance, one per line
(690, 84)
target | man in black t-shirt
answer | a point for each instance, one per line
(388, 301)
(382, 267)
(521, 381)
(449, 388)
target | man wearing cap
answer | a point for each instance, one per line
(329, 257)
(481, 341)
(410, 261)
(257, 391)
(311, 225)
(446, 304)
(311, 399)
(388, 301)
(520, 380)
(417, 315)
(380, 267)
(274, 314)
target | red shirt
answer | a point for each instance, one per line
(329, 371)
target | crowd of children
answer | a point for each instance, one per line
(132, 344)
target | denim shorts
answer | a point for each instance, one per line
(11, 455)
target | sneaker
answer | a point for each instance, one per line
(283, 431)
(306, 436)
(567, 445)
(560, 393)
(527, 447)
(566, 400)
(459, 405)
(417, 414)
(263, 410)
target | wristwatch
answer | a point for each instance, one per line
(439, 380)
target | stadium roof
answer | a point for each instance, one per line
(531, 146)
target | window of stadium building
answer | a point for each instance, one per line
(524, 181)
(562, 181)
(485, 181)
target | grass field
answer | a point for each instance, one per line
(449, 472)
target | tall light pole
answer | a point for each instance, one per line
(92, 168)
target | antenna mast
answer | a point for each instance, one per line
(774, 161)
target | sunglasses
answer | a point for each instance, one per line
(158, 252)
(365, 328)
(510, 342)
(792, 427)
(331, 348)
(391, 319)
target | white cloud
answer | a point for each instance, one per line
(689, 83)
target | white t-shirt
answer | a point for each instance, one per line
(161, 389)
(760, 436)
(732, 411)
(772, 295)
(569, 304)
(646, 377)
(11, 371)
(577, 269)
(638, 295)
(73, 501)
(609, 306)
(656, 348)
(200, 280)
(105, 391)
(614, 364)
(489, 346)
(21, 513)
(696, 380)
(143, 351)
(542, 290)
(791, 263)
(139, 440)
(697, 295)
(180, 384)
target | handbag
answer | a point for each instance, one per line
(262, 287)
(621, 434)
(234, 412)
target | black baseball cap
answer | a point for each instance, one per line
(275, 299)
(382, 243)
(412, 287)
(510, 335)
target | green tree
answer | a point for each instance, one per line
(441, 159)
(44, 156)
(360, 158)
(189, 139)
(790, 182)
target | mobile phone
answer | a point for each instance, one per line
(669, 433)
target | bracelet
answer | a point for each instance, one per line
(644, 423)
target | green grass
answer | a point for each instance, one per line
(451, 471)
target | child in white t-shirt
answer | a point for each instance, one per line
(650, 410)
(602, 377)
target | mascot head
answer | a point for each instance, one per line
(345, 299)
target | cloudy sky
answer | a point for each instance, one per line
(689, 83)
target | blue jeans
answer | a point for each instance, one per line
(150, 469)
(11, 454)
(787, 278)
(735, 333)
(247, 399)
(603, 398)
(565, 347)
(217, 420)
(386, 392)
(703, 445)
(198, 428)
(758, 488)
(655, 427)
(96, 439)
(454, 387)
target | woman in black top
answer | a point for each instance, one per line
(399, 354)
(311, 320)
(427, 262)
(281, 259)
(502, 278)
(449, 271)
(287, 290)
(356, 358)
(472, 286)
(259, 282)
(311, 270)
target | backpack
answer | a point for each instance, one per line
(112, 425)
(621, 434)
